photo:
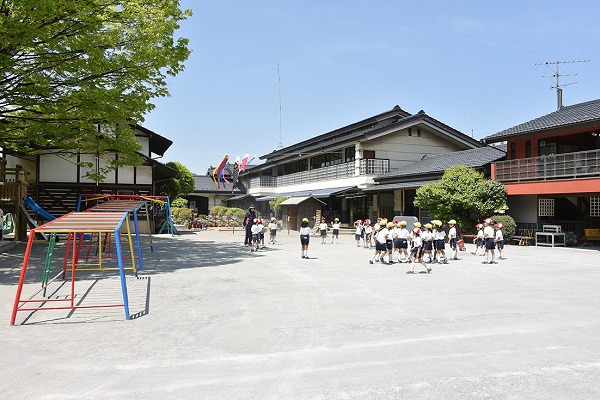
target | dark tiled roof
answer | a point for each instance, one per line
(439, 163)
(398, 185)
(205, 184)
(569, 115)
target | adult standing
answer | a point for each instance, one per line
(248, 222)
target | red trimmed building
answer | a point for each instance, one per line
(552, 169)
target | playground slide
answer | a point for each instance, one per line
(30, 203)
(31, 222)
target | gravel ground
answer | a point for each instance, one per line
(214, 321)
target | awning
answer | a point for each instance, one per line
(293, 201)
(239, 197)
(397, 186)
(324, 193)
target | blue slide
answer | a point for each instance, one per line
(30, 203)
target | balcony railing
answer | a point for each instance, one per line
(340, 171)
(582, 164)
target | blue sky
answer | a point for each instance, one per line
(469, 64)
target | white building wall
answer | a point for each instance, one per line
(58, 169)
(126, 175)
(523, 209)
(145, 143)
(28, 165)
(144, 175)
(403, 150)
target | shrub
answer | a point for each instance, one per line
(217, 210)
(509, 223)
(179, 202)
(181, 215)
(235, 212)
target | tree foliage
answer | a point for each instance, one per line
(74, 74)
(183, 183)
(462, 194)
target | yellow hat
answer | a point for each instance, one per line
(383, 222)
(417, 224)
(390, 224)
(437, 222)
(304, 219)
(452, 222)
(428, 226)
(402, 223)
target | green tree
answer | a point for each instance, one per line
(75, 74)
(276, 204)
(462, 194)
(183, 183)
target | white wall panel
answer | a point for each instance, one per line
(58, 169)
(126, 175)
(144, 175)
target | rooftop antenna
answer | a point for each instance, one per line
(280, 145)
(556, 75)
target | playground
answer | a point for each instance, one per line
(210, 319)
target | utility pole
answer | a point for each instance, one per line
(556, 75)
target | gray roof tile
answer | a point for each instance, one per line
(439, 163)
(569, 115)
(204, 183)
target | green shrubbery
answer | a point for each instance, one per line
(509, 223)
(181, 215)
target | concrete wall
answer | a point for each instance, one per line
(523, 209)
(403, 150)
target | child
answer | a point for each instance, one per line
(305, 232)
(335, 226)
(256, 229)
(479, 240)
(500, 240)
(323, 229)
(272, 230)
(263, 229)
(416, 251)
(488, 238)
(380, 242)
(427, 242)
(402, 242)
(439, 236)
(389, 243)
(452, 238)
(368, 233)
(359, 232)
(376, 230)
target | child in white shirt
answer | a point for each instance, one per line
(272, 230)
(417, 251)
(488, 238)
(499, 239)
(323, 230)
(368, 233)
(335, 225)
(452, 239)
(256, 231)
(359, 232)
(305, 232)
(479, 240)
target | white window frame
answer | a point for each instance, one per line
(546, 207)
(595, 206)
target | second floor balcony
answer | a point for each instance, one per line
(373, 166)
(578, 165)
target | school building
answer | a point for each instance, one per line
(552, 169)
(328, 175)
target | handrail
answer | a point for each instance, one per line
(577, 165)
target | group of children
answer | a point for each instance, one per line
(487, 240)
(427, 245)
(258, 233)
(423, 244)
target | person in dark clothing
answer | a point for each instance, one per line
(248, 222)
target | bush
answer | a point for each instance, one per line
(217, 210)
(179, 202)
(181, 215)
(235, 212)
(510, 226)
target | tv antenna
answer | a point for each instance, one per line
(280, 145)
(556, 75)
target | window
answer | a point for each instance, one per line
(547, 146)
(409, 131)
(528, 148)
(546, 208)
(349, 154)
(595, 206)
(513, 151)
(370, 154)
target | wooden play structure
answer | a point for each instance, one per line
(13, 190)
